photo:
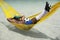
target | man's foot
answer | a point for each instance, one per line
(47, 7)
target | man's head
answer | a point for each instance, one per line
(19, 17)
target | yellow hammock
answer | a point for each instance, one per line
(10, 13)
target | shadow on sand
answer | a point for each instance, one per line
(31, 33)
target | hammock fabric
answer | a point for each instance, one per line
(10, 13)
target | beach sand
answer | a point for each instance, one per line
(47, 30)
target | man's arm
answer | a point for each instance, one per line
(10, 19)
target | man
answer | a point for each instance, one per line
(23, 20)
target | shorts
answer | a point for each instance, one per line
(28, 22)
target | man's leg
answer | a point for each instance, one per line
(46, 10)
(41, 15)
(34, 20)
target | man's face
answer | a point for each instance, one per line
(22, 18)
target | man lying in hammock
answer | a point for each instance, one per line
(23, 20)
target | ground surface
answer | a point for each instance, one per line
(47, 30)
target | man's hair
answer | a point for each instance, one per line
(17, 17)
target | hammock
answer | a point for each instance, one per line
(10, 13)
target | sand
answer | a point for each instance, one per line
(47, 30)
